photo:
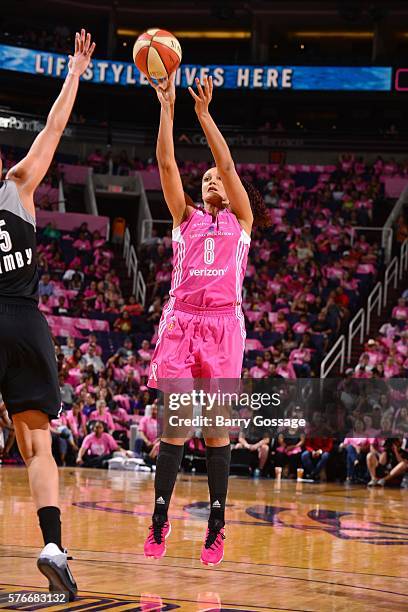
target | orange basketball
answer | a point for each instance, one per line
(157, 53)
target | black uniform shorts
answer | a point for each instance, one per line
(28, 368)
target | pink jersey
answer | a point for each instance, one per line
(210, 258)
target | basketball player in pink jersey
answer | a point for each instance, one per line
(201, 332)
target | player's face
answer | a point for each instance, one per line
(211, 184)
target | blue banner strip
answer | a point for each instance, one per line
(311, 78)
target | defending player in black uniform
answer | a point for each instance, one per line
(28, 370)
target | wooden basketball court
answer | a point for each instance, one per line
(290, 546)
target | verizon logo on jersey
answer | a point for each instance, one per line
(12, 261)
(207, 272)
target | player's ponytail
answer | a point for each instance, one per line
(258, 206)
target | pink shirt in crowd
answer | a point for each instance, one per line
(82, 245)
(286, 372)
(145, 355)
(85, 346)
(300, 327)
(105, 418)
(374, 357)
(299, 356)
(136, 371)
(99, 446)
(60, 422)
(120, 415)
(257, 372)
(391, 370)
(400, 313)
(280, 327)
(362, 442)
(148, 425)
(72, 423)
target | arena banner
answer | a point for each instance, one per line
(312, 78)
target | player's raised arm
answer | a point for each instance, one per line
(234, 189)
(30, 171)
(169, 172)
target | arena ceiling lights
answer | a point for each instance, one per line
(332, 34)
(218, 34)
(357, 35)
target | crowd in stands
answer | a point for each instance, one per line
(362, 186)
(386, 356)
(121, 163)
(104, 161)
(78, 279)
(306, 276)
(57, 39)
(374, 460)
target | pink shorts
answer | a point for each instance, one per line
(197, 343)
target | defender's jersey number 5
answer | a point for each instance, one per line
(5, 240)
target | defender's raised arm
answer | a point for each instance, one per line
(30, 171)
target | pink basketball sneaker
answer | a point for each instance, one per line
(155, 544)
(212, 553)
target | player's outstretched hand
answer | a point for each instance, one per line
(165, 90)
(84, 48)
(203, 96)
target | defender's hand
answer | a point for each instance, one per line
(79, 62)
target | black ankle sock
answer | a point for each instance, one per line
(218, 465)
(167, 467)
(50, 523)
